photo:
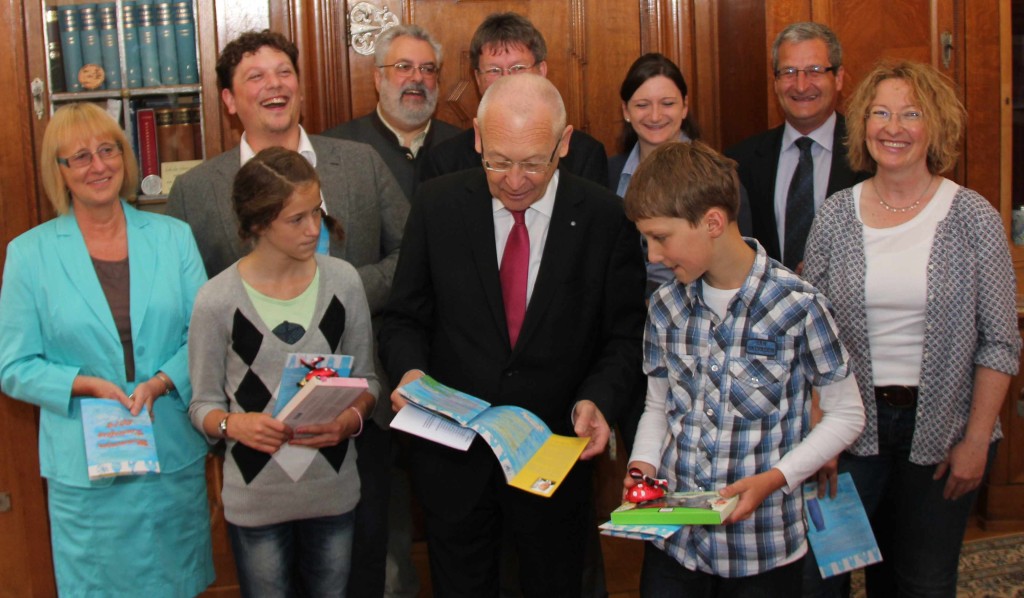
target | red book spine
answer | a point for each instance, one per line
(148, 156)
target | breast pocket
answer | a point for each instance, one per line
(757, 386)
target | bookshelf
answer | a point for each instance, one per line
(139, 59)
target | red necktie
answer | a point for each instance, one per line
(515, 269)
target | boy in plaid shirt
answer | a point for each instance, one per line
(732, 348)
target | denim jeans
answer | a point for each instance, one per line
(306, 557)
(663, 577)
(918, 531)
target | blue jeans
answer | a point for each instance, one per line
(306, 557)
(663, 577)
(918, 531)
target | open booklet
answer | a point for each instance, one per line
(532, 458)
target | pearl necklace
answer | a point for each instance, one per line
(894, 209)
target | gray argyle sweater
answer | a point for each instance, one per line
(235, 362)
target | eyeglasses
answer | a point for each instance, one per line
(405, 69)
(812, 72)
(106, 152)
(909, 116)
(496, 71)
(528, 167)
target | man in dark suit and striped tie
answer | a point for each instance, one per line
(788, 171)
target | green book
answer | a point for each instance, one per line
(677, 508)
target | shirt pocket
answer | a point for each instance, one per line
(757, 386)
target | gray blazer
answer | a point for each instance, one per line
(358, 189)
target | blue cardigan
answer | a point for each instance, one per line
(55, 324)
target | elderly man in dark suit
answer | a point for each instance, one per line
(508, 44)
(258, 76)
(524, 285)
(788, 171)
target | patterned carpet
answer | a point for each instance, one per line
(990, 568)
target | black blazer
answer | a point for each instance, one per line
(586, 157)
(758, 159)
(581, 338)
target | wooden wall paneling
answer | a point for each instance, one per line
(744, 72)
(704, 63)
(612, 36)
(215, 121)
(26, 567)
(981, 92)
(318, 28)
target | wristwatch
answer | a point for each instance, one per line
(223, 426)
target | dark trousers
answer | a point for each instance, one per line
(547, 534)
(665, 577)
(370, 539)
(918, 531)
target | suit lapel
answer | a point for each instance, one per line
(764, 174)
(478, 222)
(79, 270)
(142, 266)
(840, 176)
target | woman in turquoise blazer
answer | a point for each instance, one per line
(96, 303)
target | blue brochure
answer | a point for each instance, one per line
(838, 529)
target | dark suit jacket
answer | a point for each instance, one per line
(758, 159)
(581, 338)
(586, 157)
(406, 167)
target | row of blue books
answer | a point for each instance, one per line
(159, 45)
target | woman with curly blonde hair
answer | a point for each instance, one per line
(919, 272)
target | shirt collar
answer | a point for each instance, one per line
(417, 141)
(823, 135)
(634, 156)
(751, 285)
(545, 205)
(305, 148)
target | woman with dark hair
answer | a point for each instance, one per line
(289, 495)
(919, 272)
(655, 111)
(96, 303)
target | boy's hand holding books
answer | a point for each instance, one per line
(752, 492)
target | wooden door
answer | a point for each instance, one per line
(582, 63)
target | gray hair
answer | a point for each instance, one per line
(521, 94)
(806, 31)
(413, 31)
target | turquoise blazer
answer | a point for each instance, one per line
(55, 324)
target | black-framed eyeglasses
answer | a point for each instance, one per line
(405, 69)
(106, 152)
(528, 167)
(814, 71)
(496, 71)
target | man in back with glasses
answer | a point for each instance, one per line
(508, 44)
(402, 128)
(789, 170)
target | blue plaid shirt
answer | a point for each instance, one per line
(739, 391)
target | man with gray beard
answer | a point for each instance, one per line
(402, 129)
